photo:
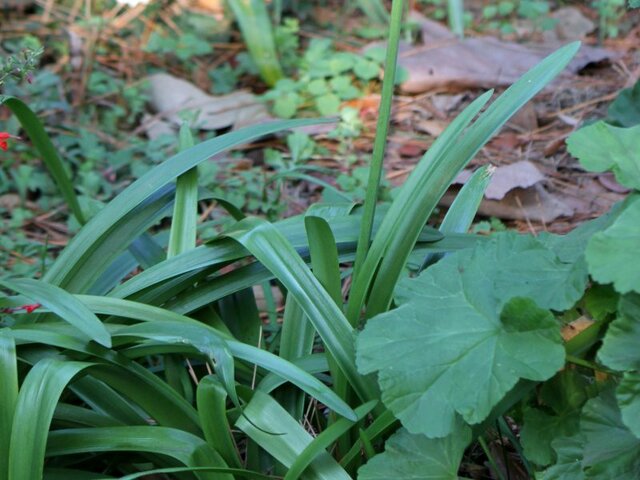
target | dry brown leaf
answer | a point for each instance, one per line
(432, 127)
(574, 328)
(505, 178)
(170, 95)
(444, 62)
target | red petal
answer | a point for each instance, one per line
(30, 308)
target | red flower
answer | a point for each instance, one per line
(27, 308)
(30, 308)
(4, 136)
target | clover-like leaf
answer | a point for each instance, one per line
(600, 147)
(613, 255)
(610, 449)
(460, 340)
(418, 457)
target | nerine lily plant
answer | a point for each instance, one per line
(400, 345)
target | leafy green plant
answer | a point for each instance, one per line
(325, 80)
(132, 360)
(610, 13)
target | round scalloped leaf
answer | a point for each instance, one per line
(625, 109)
(460, 340)
(628, 395)
(540, 429)
(443, 355)
(610, 449)
(569, 463)
(620, 346)
(600, 147)
(508, 265)
(613, 255)
(418, 457)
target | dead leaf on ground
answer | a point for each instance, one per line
(505, 178)
(482, 62)
(608, 180)
(432, 127)
(507, 142)
(574, 328)
(571, 24)
(171, 95)
(534, 204)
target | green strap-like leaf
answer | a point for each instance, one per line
(212, 408)
(273, 429)
(188, 449)
(33, 126)
(324, 440)
(273, 250)
(63, 304)
(414, 207)
(36, 403)
(255, 24)
(463, 210)
(185, 208)
(67, 267)
(8, 397)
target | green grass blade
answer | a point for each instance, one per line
(448, 166)
(72, 474)
(147, 251)
(240, 314)
(178, 325)
(35, 405)
(313, 364)
(283, 437)
(381, 425)
(407, 210)
(212, 400)
(324, 256)
(380, 141)
(375, 11)
(324, 440)
(35, 130)
(153, 395)
(182, 237)
(463, 210)
(199, 336)
(127, 377)
(345, 229)
(296, 340)
(63, 304)
(105, 401)
(273, 250)
(8, 397)
(239, 473)
(455, 13)
(255, 25)
(185, 208)
(71, 416)
(186, 448)
(99, 256)
(326, 268)
(68, 268)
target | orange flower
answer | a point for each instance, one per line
(4, 136)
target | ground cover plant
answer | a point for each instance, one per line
(403, 351)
